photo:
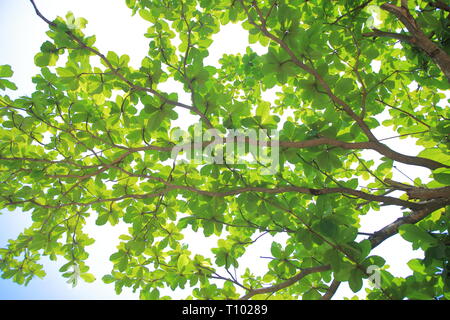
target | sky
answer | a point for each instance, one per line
(21, 35)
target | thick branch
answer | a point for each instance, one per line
(169, 187)
(414, 192)
(440, 5)
(304, 190)
(428, 194)
(392, 229)
(376, 146)
(331, 290)
(378, 33)
(286, 283)
(419, 39)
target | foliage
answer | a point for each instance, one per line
(95, 140)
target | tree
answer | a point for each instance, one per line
(96, 140)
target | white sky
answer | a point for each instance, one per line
(21, 35)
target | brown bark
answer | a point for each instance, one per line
(419, 39)
(331, 290)
(429, 194)
(392, 228)
(414, 192)
(440, 5)
(287, 283)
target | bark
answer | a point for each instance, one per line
(392, 228)
(331, 290)
(419, 39)
(414, 192)
(441, 5)
(428, 194)
(287, 283)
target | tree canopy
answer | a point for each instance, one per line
(97, 139)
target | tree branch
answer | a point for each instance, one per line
(419, 39)
(403, 111)
(331, 290)
(440, 5)
(378, 33)
(286, 283)
(391, 229)
(414, 192)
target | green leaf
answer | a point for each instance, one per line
(147, 15)
(374, 260)
(94, 86)
(9, 274)
(355, 281)
(417, 266)
(276, 250)
(328, 228)
(371, 53)
(442, 175)
(344, 86)
(108, 279)
(182, 262)
(323, 204)
(417, 236)
(113, 58)
(102, 219)
(88, 277)
(365, 247)
(6, 71)
(149, 295)
(7, 84)
(155, 120)
(44, 59)
(263, 110)
(312, 294)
